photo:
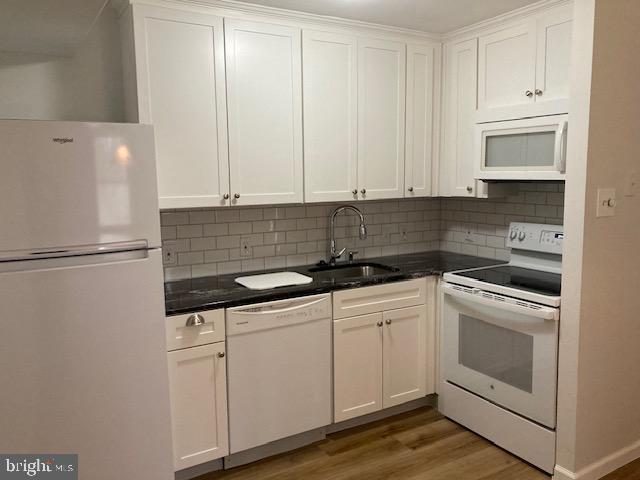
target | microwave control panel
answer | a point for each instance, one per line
(536, 237)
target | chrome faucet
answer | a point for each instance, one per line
(333, 255)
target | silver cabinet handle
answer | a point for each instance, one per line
(226, 196)
(388, 321)
(538, 92)
(195, 320)
(529, 93)
(354, 191)
(363, 191)
(410, 189)
(379, 324)
(469, 189)
(220, 354)
(236, 195)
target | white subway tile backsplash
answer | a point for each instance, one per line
(208, 240)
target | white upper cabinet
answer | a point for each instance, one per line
(181, 91)
(553, 58)
(381, 118)
(423, 102)
(523, 69)
(506, 72)
(264, 98)
(330, 116)
(456, 174)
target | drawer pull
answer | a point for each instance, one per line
(220, 354)
(195, 320)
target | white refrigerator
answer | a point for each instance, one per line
(83, 364)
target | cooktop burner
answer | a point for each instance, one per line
(533, 281)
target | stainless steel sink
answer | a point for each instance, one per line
(353, 270)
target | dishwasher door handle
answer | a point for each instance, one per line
(276, 307)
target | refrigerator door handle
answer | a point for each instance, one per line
(73, 251)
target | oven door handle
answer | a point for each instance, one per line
(534, 310)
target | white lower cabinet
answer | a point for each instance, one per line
(404, 355)
(380, 359)
(198, 393)
(357, 361)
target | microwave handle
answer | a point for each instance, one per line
(543, 313)
(560, 156)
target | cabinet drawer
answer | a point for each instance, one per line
(179, 335)
(364, 300)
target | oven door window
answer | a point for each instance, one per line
(499, 353)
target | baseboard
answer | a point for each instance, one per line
(428, 401)
(602, 467)
(196, 471)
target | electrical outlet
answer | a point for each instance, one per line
(245, 248)
(169, 253)
(468, 236)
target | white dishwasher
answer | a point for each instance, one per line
(279, 369)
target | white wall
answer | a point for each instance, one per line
(599, 418)
(86, 87)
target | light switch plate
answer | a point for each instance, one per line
(606, 202)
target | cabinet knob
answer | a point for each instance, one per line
(226, 196)
(236, 195)
(363, 191)
(529, 93)
(354, 191)
(538, 92)
(379, 324)
(410, 189)
(388, 321)
(195, 320)
(469, 189)
(220, 354)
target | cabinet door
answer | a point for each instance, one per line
(423, 93)
(381, 118)
(357, 366)
(264, 82)
(456, 172)
(181, 91)
(330, 116)
(404, 355)
(198, 391)
(553, 59)
(506, 73)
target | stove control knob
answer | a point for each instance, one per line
(521, 236)
(513, 234)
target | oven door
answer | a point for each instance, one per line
(529, 149)
(502, 350)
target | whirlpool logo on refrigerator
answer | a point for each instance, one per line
(50, 467)
(62, 140)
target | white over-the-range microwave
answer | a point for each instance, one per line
(527, 149)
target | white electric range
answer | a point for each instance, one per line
(500, 345)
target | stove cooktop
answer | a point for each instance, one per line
(534, 281)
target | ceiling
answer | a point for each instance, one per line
(52, 27)
(434, 16)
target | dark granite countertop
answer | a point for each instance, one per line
(207, 293)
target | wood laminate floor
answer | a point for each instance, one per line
(418, 445)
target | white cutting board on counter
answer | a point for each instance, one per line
(267, 281)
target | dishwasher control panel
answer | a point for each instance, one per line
(277, 314)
